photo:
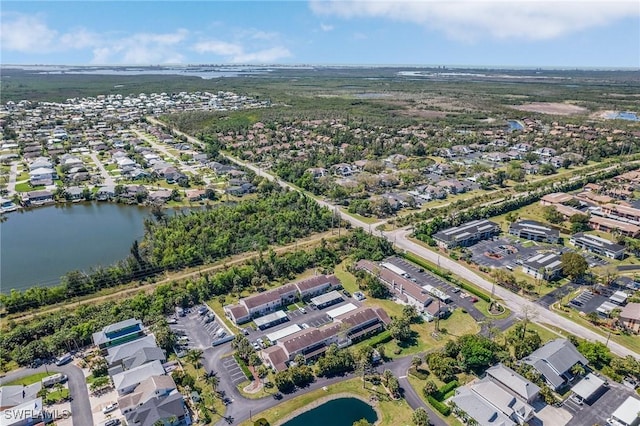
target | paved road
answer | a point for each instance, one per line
(106, 177)
(13, 175)
(81, 414)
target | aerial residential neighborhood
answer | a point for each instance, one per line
(309, 213)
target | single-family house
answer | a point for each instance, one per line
(554, 362)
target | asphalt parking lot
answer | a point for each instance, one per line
(195, 327)
(599, 410)
(313, 317)
(424, 278)
(499, 247)
(234, 370)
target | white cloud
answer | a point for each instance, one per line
(24, 33)
(477, 19)
(31, 34)
(237, 53)
(326, 27)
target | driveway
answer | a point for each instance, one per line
(80, 406)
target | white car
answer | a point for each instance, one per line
(110, 407)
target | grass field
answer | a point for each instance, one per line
(418, 384)
(29, 380)
(394, 413)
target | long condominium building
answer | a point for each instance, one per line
(467, 234)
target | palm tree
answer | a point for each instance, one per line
(213, 381)
(386, 376)
(193, 357)
(416, 362)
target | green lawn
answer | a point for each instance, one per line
(347, 279)
(28, 380)
(394, 413)
(264, 392)
(369, 220)
(26, 187)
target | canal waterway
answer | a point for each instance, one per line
(40, 245)
(337, 412)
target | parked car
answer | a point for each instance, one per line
(63, 359)
(202, 310)
(304, 325)
(245, 331)
(277, 396)
(346, 293)
(52, 380)
(302, 310)
(474, 299)
(112, 422)
(110, 407)
(256, 346)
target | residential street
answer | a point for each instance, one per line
(107, 178)
(80, 407)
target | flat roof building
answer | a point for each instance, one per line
(283, 332)
(341, 310)
(271, 320)
(466, 234)
(627, 413)
(535, 231)
(545, 266)
(327, 299)
(588, 388)
(597, 245)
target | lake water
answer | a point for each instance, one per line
(337, 412)
(514, 125)
(38, 246)
(624, 115)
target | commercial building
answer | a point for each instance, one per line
(467, 234)
(545, 266)
(535, 231)
(597, 245)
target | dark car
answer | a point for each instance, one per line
(277, 396)
(346, 293)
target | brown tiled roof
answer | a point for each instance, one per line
(615, 224)
(631, 311)
(308, 337)
(276, 356)
(358, 317)
(557, 198)
(317, 281)
(269, 296)
(238, 311)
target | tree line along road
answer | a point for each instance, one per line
(514, 302)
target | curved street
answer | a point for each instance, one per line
(80, 407)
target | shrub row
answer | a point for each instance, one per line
(447, 276)
(243, 367)
(441, 394)
(443, 408)
(381, 338)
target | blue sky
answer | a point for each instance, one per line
(351, 32)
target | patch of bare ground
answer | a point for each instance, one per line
(553, 108)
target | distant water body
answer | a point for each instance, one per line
(204, 73)
(623, 115)
(39, 246)
(514, 125)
